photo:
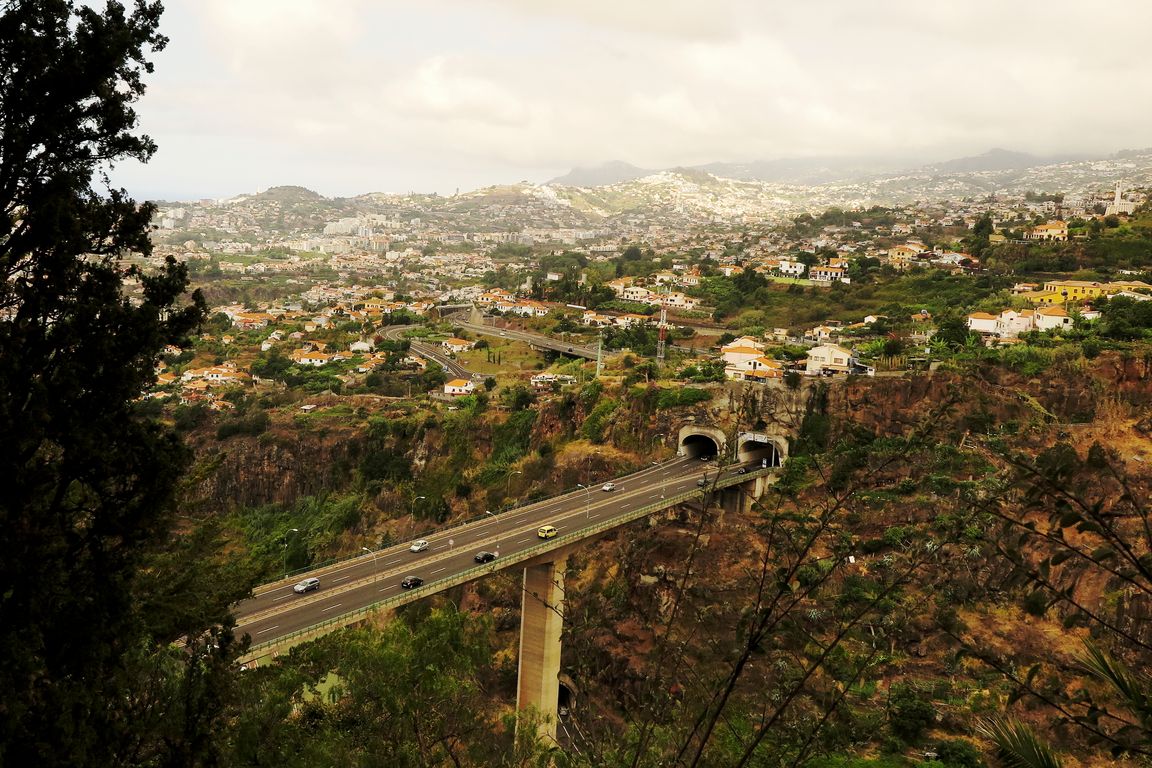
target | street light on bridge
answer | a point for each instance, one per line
(493, 516)
(412, 514)
(508, 481)
(587, 500)
(373, 553)
(284, 560)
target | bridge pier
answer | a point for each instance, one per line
(541, 624)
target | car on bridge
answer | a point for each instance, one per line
(485, 557)
(546, 531)
(418, 546)
(608, 487)
(411, 582)
(306, 586)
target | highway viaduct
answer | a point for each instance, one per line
(276, 619)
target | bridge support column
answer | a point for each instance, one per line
(541, 623)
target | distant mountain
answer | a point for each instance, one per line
(1000, 160)
(806, 170)
(600, 175)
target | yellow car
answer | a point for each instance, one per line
(546, 532)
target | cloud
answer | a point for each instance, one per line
(402, 92)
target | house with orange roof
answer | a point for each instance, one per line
(591, 317)
(314, 359)
(983, 322)
(459, 387)
(1052, 230)
(737, 355)
(456, 346)
(1052, 318)
(757, 369)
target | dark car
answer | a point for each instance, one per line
(485, 557)
(741, 470)
(411, 582)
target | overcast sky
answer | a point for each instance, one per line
(354, 96)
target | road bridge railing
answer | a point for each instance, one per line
(290, 577)
(267, 650)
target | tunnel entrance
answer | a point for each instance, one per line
(699, 446)
(756, 446)
(566, 696)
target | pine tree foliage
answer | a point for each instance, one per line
(87, 483)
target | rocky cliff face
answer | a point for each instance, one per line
(288, 462)
(272, 468)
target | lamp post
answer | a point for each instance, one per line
(412, 514)
(493, 516)
(284, 559)
(373, 553)
(587, 500)
(508, 481)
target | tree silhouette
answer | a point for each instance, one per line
(87, 482)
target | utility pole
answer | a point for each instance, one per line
(600, 355)
(663, 333)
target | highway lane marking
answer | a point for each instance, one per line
(437, 570)
(268, 630)
(339, 579)
(282, 597)
(322, 610)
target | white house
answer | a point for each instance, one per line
(679, 300)
(315, 359)
(734, 356)
(983, 322)
(459, 387)
(591, 317)
(629, 319)
(828, 356)
(755, 369)
(1049, 318)
(792, 268)
(829, 274)
(1013, 323)
(363, 345)
(457, 345)
(636, 293)
(743, 341)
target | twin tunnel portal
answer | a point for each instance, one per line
(276, 619)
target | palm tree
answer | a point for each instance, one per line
(1017, 746)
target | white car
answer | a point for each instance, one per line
(608, 487)
(418, 546)
(306, 586)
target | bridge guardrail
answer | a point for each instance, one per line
(469, 574)
(293, 574)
